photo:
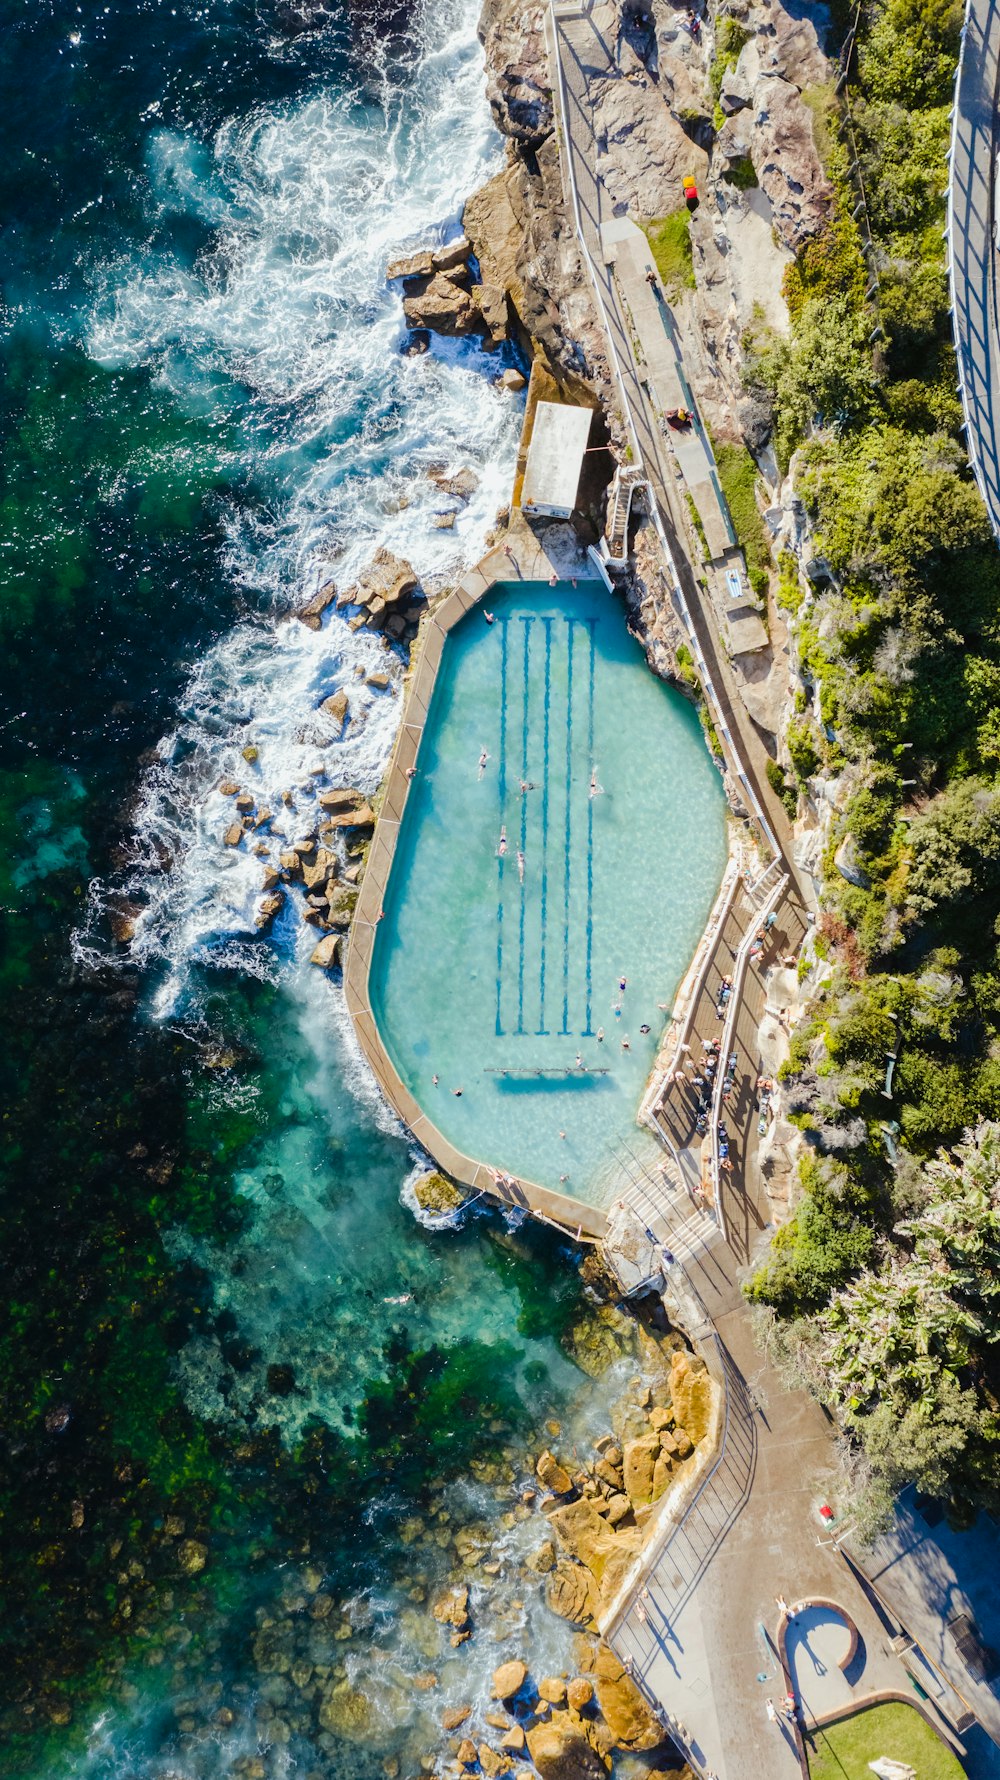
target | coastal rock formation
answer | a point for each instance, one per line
(386, 586)
(443, 304)
(508, 1680)
(692, 1394)
(561, 1750)
(570, 1592)
(434, 1193)
(517, 75)
(627, 1715)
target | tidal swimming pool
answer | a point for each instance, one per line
(497, 970)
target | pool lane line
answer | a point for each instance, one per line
(546, 709)
(527, 621)
(589, 986)
(502, 784)
(570, 622)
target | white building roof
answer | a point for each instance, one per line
(555, 458)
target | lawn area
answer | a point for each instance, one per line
(670, 239)
(738, 479)
(844, 1750)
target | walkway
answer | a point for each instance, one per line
(972, 250)
(584, 56)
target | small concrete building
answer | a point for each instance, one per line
(555, 459)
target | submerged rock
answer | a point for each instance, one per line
(347, 1712)
(435, 1193)
(192, 1556)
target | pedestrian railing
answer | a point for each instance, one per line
(728, 1038)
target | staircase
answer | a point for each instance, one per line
(614, 543)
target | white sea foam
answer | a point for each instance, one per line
(287, 330)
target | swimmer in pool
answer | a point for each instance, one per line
(483, 758)
(502, 843)
(520, 865)
(596, 790)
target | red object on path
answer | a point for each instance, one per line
(826, 1512)
(690, 191)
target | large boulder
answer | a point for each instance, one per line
(444, 305)
(553, 1475)
(628, 1717)
(570, 1592)
(311, 614)
(561, 1750)
(509, 1679)
(639, 1464)
(433, 1192)
(387, 583)
(691, 1393)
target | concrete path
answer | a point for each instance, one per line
(972, 250)
(627, 250)
(578, 38)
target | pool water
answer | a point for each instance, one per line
(499, 971)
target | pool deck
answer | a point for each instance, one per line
(530, 558)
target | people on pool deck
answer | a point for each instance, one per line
(483, 758)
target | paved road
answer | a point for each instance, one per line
(973, 253)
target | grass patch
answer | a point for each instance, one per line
(741, 173)
(821, 102)
(738, 479)
(696, 521)
(670, 239)
(844, 1750)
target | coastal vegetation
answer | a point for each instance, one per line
(879, 1290)
(670, 239)
(844, 1750)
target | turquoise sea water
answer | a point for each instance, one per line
(496, 971)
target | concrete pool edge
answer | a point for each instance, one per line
(572, 1215)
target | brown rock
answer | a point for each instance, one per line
(340, 906)
(561, 1750)
(290, 863)
(387, 579)
(454, 253)
(426, 1680)
(311, 613)
(542, 1560)
(454, 1716)
(551, 1688)
(443, 305)
(228, 788)
(452, 1608)
(691, 1394)
(514, 1740)
(661, 1475)
(467, 1753)
(508, 1680)
(683, 1444)
(638, 1464)
(553, 1475)
(410, 265)
(661, 1419)
(233, 834)
(250, 753)
(192, 1556)
(336, 707)
(570, 1592)
(340, 799)
(380, 681)
(244, 802)
(498, 1720)
(631, 1722)
(579, 1694)
(327, 953)
(511, 379)
(609, 1474)
(492, 1763)
(619, 1507)
(361, 817)
(267, 908)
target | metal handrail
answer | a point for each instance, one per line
(739, 972)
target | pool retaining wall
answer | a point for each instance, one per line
(528, 560)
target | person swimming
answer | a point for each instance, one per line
(502, 843)
(520, 865)
(483, 758)
(596, 790)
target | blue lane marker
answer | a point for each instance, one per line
(588, 1029)
(570, 622)
(527, 622)
(502, 784)
(547, 623)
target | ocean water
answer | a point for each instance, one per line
(254, 1410)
